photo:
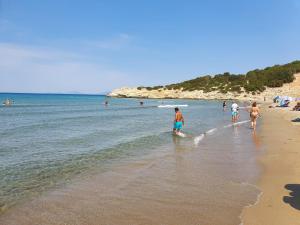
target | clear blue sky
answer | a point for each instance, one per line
(95, 46)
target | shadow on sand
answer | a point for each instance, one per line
(294, 198)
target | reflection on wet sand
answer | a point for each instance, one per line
(256, 139)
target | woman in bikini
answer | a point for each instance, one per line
(254, 113)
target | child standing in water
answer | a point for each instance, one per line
(254, 113)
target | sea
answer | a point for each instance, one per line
(79, 161)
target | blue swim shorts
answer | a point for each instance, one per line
(234, 113)
(178, 125)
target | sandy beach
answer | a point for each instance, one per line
(279, 203)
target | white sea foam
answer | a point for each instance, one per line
(211, 131)
(237, 123)
(245, 121)
(201, 136)
(181, 134)
(171, 106)
(229, 125)
(258, 197)
(198, 139)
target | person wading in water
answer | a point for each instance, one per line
(178, 121)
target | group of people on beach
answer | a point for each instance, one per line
(254, 113)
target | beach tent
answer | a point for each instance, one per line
(287, 98)
(276, 99)
(283, 98)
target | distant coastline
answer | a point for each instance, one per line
(259, 84)
(289, 89)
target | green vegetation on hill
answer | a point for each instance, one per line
(254, 81)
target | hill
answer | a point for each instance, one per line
(254, 81)
(223, 86)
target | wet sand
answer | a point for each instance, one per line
(279, 203)
(208, 185)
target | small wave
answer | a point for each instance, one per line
(198, 139)
(211, 131)
(201, 136)
(116, 107)
(171, 106)
(245, 121)
(237, 123)
(258, 197)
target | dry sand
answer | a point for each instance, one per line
(279, 203)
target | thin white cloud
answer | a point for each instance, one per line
(38, 69)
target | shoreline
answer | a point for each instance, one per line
(208, 184)
(254, 193)
(281, 173)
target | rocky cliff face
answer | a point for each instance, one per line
(291, 89)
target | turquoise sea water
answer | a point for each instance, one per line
(48, 139)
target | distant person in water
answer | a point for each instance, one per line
(141, 103)
(254, 114)
(106, 103)
(224, 105)
(7, 102)
(178, 121)
(234, 111)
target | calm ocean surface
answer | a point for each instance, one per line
(47, 139)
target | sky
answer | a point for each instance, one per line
(95, 46)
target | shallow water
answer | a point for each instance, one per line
(120, 164)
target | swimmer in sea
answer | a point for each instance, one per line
(178, 121)
(224, 105)
(254, 113)
(7, 102)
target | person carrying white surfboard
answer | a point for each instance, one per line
(178, 121)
